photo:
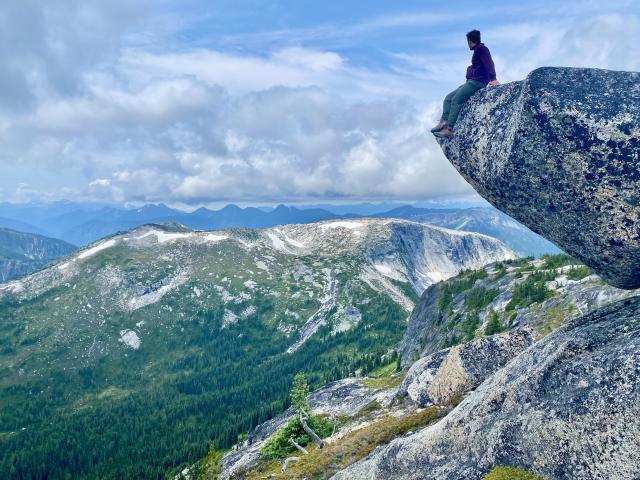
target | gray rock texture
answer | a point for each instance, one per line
(560, 152)
(567, 408)
(421, 374)
(439, 377)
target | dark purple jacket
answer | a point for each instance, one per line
(481, 68)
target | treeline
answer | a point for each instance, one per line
(211, 386)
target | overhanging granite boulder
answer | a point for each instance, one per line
(560, 152)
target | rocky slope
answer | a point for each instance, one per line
(543, 293)
(559, 393)
(441, 377)
(571, 138)
(486, 220)
(566, 408)
(22, 253)
(199, 333)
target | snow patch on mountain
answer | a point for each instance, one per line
(163, 237)
(288, 239)
(212, 237)
(319, 317)
(130, 339)
(98, 248)
(228, 318)
(381, 284)
(13, 287)
(341, 224)
(155, 295)
(279, 244)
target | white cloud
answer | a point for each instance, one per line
(90, 115)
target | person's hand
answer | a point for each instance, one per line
(494, 83)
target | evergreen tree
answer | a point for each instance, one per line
(299, 392)
(493, 325)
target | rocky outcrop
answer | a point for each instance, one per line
(416, 383)
(566, 408)
(560, 152)
(431, 326)
(440, 377)
(342, 398)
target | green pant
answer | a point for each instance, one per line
(454, 101)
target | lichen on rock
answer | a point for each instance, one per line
(560, 152)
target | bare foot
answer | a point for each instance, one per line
(439, 127)
(446, 132)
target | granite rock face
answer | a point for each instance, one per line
(437, 378)
(421, 374)
(560, 152)
(566, 408)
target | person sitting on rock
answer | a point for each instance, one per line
(480, 73)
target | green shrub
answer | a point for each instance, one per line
(451, 341)
(278, 445)
(501, 271)
(469, 326)
(510, 473)
(557, 261)
(479, 297)
(210, 467)
(445, 298)
(578, 273)
(532, 290)
(493, 324)
(299, 392)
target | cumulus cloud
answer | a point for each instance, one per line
(95, 113)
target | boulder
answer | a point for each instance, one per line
(442, 376)
(560, 152)
(567, 408)
(416, 383)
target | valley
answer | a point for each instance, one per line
(129, 357)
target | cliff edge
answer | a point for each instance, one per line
(560, 152)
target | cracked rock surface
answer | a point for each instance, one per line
(566, 408)
(560, 152)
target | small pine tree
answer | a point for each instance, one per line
(210, 466)
(493, 325)
(299, 393)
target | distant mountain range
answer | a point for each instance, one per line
(80, 224)
(22, 253)
(487, 220)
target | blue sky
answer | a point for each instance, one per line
(260, 102)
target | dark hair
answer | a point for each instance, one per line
(474, 36)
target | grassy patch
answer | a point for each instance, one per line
(278, 445)
(384, 371)
(321, 464)
(510, 473)
(391, 381)
(554, 317)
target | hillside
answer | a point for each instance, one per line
(375, 410)
(128, 357)
(488, 221)
(22, 253)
